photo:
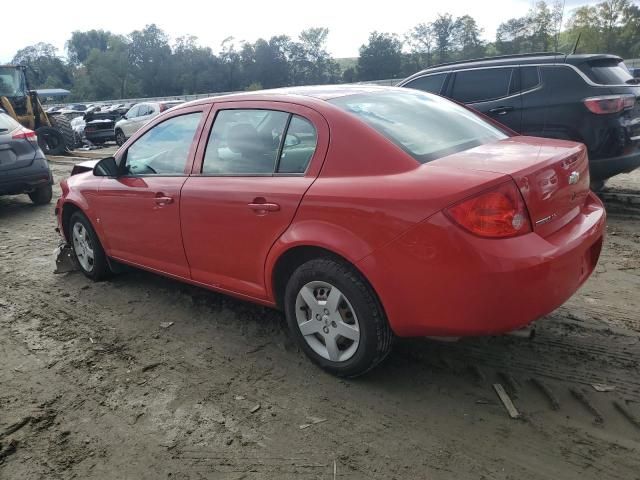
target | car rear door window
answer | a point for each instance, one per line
(529, 78)
(245, 142)
(428, 83)
(164, 149)
(472, 86)
(299, 146)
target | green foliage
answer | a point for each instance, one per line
(380, 58)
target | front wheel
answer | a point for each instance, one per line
(87, 248)
(336, 317)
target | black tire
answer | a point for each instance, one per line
(51, 141)
(41, 195)
(376, 336)
(100, 268)
(120, 138)
(63, 125)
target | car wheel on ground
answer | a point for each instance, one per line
(120, 138)
(41, 195)
(336, 317)
(63, 125)
(51, 141)
(87, 248)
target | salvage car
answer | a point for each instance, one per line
(23, 166)
(138, 116)
(587, 98)
(363, 212)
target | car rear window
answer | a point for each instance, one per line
(425, 126)
(7, 124)
(607, 72)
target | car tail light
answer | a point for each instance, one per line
(609, 103)
(497, 213)
(25, 134)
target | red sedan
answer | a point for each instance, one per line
(362, 212)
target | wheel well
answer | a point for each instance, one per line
(68, 209)
(292, 259)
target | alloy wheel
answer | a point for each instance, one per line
(327, 321)
(83, 247)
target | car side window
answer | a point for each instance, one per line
(144, 110)
(299, 146)
(429, 83)
(244, 142)
(472, 86)
(164, 149)
(529, 78)
(133, 112)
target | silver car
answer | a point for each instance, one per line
(139, 115)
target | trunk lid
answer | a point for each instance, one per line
(552, 175)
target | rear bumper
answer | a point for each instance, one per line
(27, 179)
(450, 283)
(603, 168)
(100, 135)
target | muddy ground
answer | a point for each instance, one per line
(91, 385)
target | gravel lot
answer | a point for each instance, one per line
(92, 386)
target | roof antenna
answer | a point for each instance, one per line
(575, 46)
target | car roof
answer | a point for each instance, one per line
(300, 94)
(521, 59)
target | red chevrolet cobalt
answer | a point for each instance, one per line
(362, 212)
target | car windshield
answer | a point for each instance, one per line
(425, 126)
(11, 82)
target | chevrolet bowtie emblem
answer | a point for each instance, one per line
(573, 178)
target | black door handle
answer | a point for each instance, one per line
(501, 110)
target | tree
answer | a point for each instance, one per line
(444, 31)
(466, 37)
(421, 40)
(150, 56)
(612, 26)
(309, 59)
(46, 70)
(380, 58)
(230, 60)
(80, 44)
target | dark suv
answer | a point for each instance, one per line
(592, 99)
(23, 166)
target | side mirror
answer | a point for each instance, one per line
(107, 167)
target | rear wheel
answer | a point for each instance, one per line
(41, 195)
(336, 318)
(87, 248)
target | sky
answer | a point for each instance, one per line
(349, 21)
